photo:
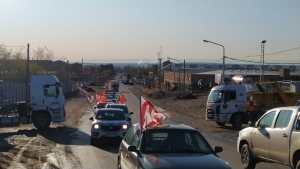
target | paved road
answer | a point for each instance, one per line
(105, 156)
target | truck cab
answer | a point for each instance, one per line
(226, 103)
(47, 100)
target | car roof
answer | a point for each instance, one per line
(288, 107)
(110, 109)
(170, 127)
(116, 104)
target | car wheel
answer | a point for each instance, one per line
(247, 159)
(222, 124)
(236, 122)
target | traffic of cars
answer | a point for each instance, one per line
(274, 138)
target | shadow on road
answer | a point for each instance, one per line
(66, 135)
(109, 145)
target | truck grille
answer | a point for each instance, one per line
(111, 128)
(210, 114)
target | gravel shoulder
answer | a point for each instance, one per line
(23, 147)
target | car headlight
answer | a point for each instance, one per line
(96, 126)
(124, 126)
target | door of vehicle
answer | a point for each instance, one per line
(228, 104)
(280, 136)
(52, 102)
(128, 160)
(261, 134)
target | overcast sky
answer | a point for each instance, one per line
(114, 30)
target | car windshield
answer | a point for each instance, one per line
(215, 96)
(122, 107)
(174, 141)
(110, 115)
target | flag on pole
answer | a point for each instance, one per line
(149, 116)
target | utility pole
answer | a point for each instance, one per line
(262, 59)
(28, 80)
(224, 57)
(184, 73)
(160, 78)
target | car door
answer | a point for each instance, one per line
(128, 160)
(280, 136)
(261, 134)
(124, 154)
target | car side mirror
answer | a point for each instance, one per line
(218, 149)
(91, 118)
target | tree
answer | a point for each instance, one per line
(43, 54)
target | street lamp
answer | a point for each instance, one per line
(223, 69)
(262, 59)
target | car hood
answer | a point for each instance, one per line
(183, 161)
(110, 122)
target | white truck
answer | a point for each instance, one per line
(46, 102)
(227, 103)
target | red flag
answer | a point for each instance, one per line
(149, 116)
(101, 98)
(122, 99)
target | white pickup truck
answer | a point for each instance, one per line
(274, 138)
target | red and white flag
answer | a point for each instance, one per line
(149, 116)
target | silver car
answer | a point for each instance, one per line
(108, 123)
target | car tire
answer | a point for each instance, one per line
(222, 124)
(236, 122)
(247, 158)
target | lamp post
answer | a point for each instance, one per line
(262, 59)
(223, 68)
(184, 72)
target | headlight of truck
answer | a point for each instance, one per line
(124, 126)
(96, 126)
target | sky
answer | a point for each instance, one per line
(134, 30)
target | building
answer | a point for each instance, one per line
(204, 80)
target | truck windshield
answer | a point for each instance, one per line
(215, 96)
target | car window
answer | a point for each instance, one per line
(174, 141)
(283, 118)
(267, 120)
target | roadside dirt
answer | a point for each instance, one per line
(23, 147)
(189, 111)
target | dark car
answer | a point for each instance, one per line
(109, 123)
(168, 147)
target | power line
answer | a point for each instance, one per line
(277, 52)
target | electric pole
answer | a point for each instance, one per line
(28, 80)
(262, 59)
(184, 73)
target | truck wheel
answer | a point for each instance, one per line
(236, 122)
(222, 124)
(247, 159)
(41, 120)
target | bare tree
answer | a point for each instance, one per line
(43, 54)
